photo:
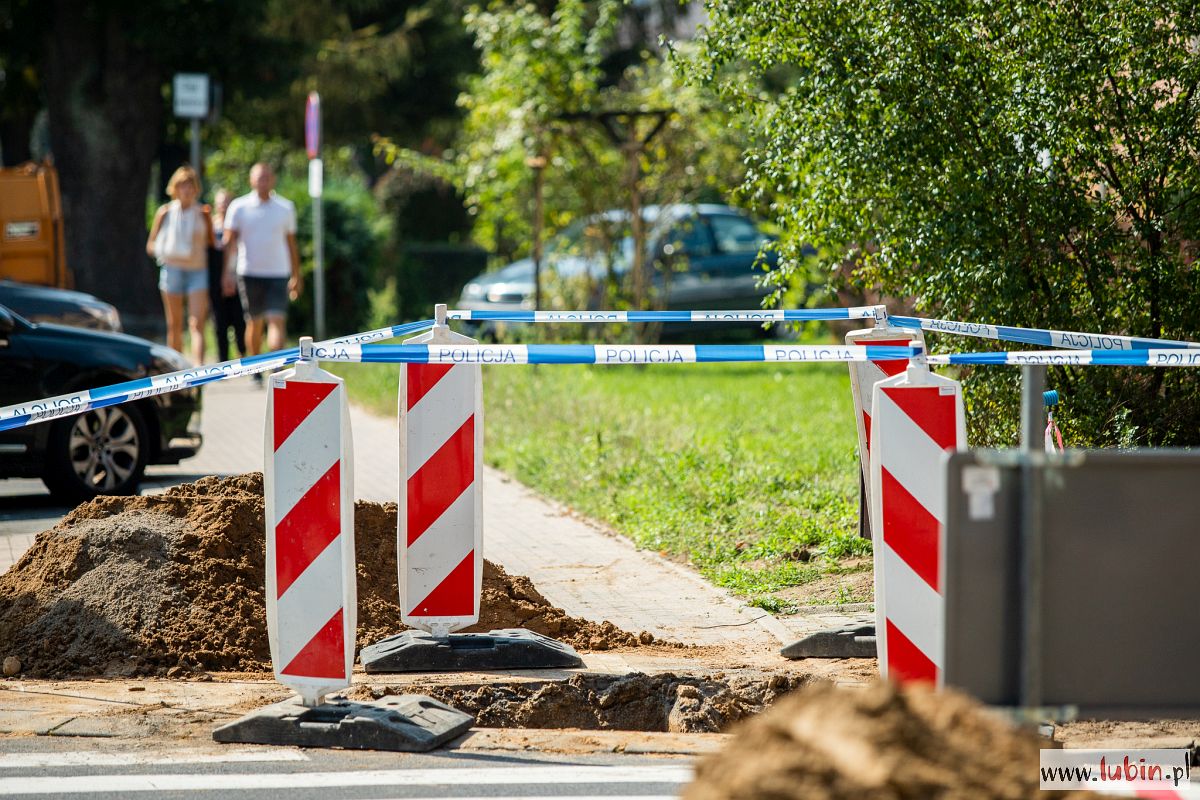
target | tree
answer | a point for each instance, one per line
(562, 113)
(1021, 163)
(395, 67)
(102, 69)
(534, 69)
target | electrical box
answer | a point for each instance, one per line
(1116, 578)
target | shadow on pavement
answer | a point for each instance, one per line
(30, 506)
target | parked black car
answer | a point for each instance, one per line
(103, 451)
(60, 306)
(708, 256)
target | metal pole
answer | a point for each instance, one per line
(316, 188)
(637, 229)
(318, 268)
(539, 189)
(1033, 383)
(1033, 419)
(196, 165)
(864, 520)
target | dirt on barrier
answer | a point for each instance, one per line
(172, 584)
(633, 702)
(828, 743)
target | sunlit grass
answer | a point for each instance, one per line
(746, 471)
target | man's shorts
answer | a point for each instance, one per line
(176, 280)
(263, 297)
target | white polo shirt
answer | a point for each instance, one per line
(262, 229)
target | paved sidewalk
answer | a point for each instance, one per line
(578, 565)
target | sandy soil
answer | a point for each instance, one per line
(172, 584)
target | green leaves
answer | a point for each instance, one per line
(1019, 163)
(541, 76)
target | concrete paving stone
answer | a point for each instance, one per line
(20, 696)
(29, 721)
(12, 547)
(96, 727)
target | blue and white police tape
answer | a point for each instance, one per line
(379, 334)
(1156, 357)
(1046, 338)
(878, 313)
(605, 353)
(21, 414)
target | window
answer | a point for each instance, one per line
(736, 235)
(688, 237)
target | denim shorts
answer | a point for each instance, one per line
(173, 280)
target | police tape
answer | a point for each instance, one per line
(1151, 357)
(21, 414)
(605, 353)
(1110, 350)
(878, 313)
(1046, 338)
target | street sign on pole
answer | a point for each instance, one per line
(316, 178)
(190, 97)
(312, 125)
(316, 174)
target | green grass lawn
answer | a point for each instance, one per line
(746, 471)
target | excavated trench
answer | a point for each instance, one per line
(633, 702)
(171, 585)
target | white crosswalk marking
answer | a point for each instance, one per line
(551, 797)
(563, 775)
(122, 759)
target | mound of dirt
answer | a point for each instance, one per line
(826, 743)
(173, 583)
(633, 702)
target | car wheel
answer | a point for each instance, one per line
(102, 451)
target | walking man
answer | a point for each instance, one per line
(260, 245)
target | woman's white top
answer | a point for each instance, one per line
(182, 240)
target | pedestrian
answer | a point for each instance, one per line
(179, 241)
(260, 247)
(227, 313)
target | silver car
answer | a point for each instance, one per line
(706, 256)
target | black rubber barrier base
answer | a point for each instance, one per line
(511, 648)
(852, 641)
(409, 723)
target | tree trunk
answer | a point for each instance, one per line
(637, 231)
(15, 138)
(105, 106)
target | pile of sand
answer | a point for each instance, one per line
(825, 743)
(174, 583)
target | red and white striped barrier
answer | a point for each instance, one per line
(863, 377)
(308, 487)
(915, 418)
(440, 524)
